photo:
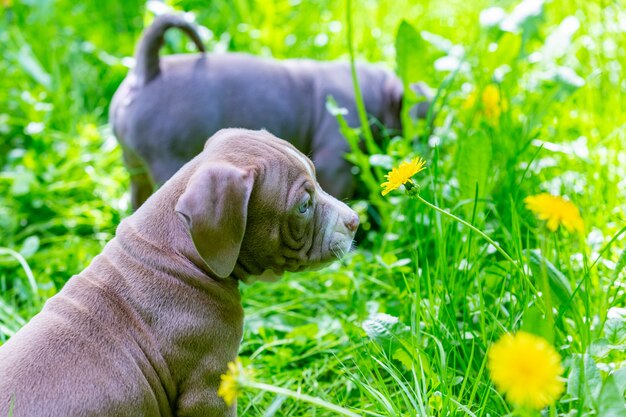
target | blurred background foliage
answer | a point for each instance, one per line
(530, 98)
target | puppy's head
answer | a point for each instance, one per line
(254, 209)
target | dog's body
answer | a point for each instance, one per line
(150, 325)
(166, 107)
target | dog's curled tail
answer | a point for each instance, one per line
(147, 54)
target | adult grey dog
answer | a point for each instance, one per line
(165, 108)
(148, 328)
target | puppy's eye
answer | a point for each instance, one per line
(304, 207)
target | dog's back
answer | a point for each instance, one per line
(166, 108)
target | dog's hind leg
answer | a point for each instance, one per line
(163, 168)
(141, 183)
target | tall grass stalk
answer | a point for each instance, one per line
(471, 227)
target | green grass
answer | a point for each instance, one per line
(401, 326)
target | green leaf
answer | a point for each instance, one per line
(534, 321)
(414, 359)
(611, 400)
(394, 337)
(620, 379)
(621, 264)
(584, 380)
(593, 378)
(508, 49)
(615, 331)
(404, 358)
(410, 47)
(473, 167)
(386, 330)
(599, 348)
(558, 282)
(389, 260)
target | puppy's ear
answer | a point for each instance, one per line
(214, 208)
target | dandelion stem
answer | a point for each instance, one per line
(300, 397)
(474, 228)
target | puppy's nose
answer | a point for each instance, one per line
(352, 222)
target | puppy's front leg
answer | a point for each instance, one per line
(198, 399)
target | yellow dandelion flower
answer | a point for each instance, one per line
(527, 369)
(229, 387)
(402, 174)
(555, 211)
(491, 103)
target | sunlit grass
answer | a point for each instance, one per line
(401, 327)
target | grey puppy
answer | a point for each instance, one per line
(165, 108)
(148, 328)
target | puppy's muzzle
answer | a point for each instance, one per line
(340, 231)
